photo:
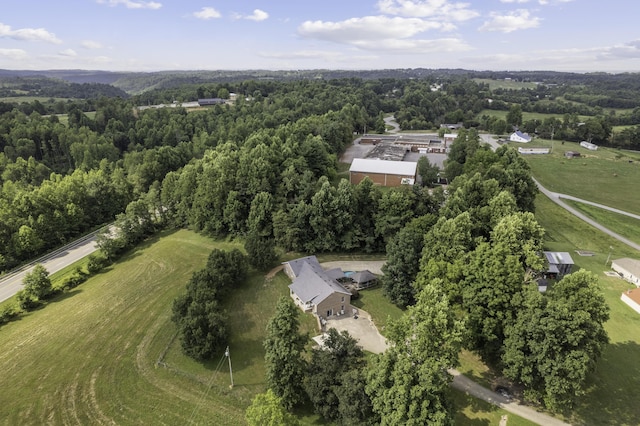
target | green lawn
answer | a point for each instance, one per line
(626, 226)
(526, 116)
(606, 176)
(612, 391)
(89, 357)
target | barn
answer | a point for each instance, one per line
(383, 172)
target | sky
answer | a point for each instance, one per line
(155, 35)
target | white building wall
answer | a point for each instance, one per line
(626, 299)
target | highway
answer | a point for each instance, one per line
(11, 283)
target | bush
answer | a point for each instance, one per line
(27, 301)
(7, 313)
(96, 263)
(74, 280)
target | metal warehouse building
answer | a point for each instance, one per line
(383, 172)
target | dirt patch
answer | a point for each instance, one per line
(272, 273)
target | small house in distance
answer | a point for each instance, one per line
(383, 172)
(589, 145)
(571, 154)
(629, 269)
(518, 136)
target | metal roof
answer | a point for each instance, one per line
(313, 285)
(401, 168)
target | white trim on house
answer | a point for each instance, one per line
(518, 136)
(630, 296)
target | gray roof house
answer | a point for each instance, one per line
(518, 136)
(560, 263)
(313, 290)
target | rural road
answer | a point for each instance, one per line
(467, 385)
(53, 262)
(557, 198)
(391, 121)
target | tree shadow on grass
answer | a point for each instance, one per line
(463, 401)
(612, 390)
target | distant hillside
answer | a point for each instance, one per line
(30, 83)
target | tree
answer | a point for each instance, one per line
(404, 252)
(266, 409)
(284, 349)
(428, 172)
(327, 373)
(37, 283)
(514, 116)
(557, 340)
(409, 383)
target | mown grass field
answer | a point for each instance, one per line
(626, 226)
(606, 176)
(612, 389)
(525, 115)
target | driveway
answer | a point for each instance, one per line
(361, 329)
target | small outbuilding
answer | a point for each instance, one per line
(383, 172)
(590, 146)
(632, 298)
(363, 279)
(560, 263)
(629, 269)
(572, 154)
(210, 101)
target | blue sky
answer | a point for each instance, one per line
(151, 35)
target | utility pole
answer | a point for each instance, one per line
(609, 256)
(228, 355)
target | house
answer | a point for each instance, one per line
(292, 268)
(560, 264)
(589, 145)
(629, 269)
(383, 172)
(518, 136)
(571, 154)
(315, 291)
(632, 298)
(210, 101)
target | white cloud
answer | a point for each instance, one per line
(258, 15)
(90, 44)
(28, 34)
(305, 54)
(630, 50)
(68, 52)
(436, 9)
(520, 1)
(512, 21)
(13, 54)
(207, 13)
(132, 4)
(368, 28)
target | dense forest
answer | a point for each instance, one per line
(264, 169)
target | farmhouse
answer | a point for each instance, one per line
(383, 172)
(315, 291)
(518, 136)
(629, 269)
(632, 298)
(560, 263)
(589, 145)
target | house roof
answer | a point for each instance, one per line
(335, 273)
(631, 265)
(558, 258)
(296, 264)
(519, 134)
(313, 285)
(634, 295)
(363, 277)
(365, 165)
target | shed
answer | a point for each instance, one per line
(383, 172)
(572, 154)
(629, 269)
(589, 145)
(560, 263)
(363, 279)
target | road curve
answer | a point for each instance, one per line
(467, 385)
(53, 262)
(557, 198)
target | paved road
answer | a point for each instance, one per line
(557, 198)
(467, 385)
(391, 121)
(12, 283)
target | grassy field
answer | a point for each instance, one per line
(611, 398)
(626, 226)
(606, 176)
(526, 116)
